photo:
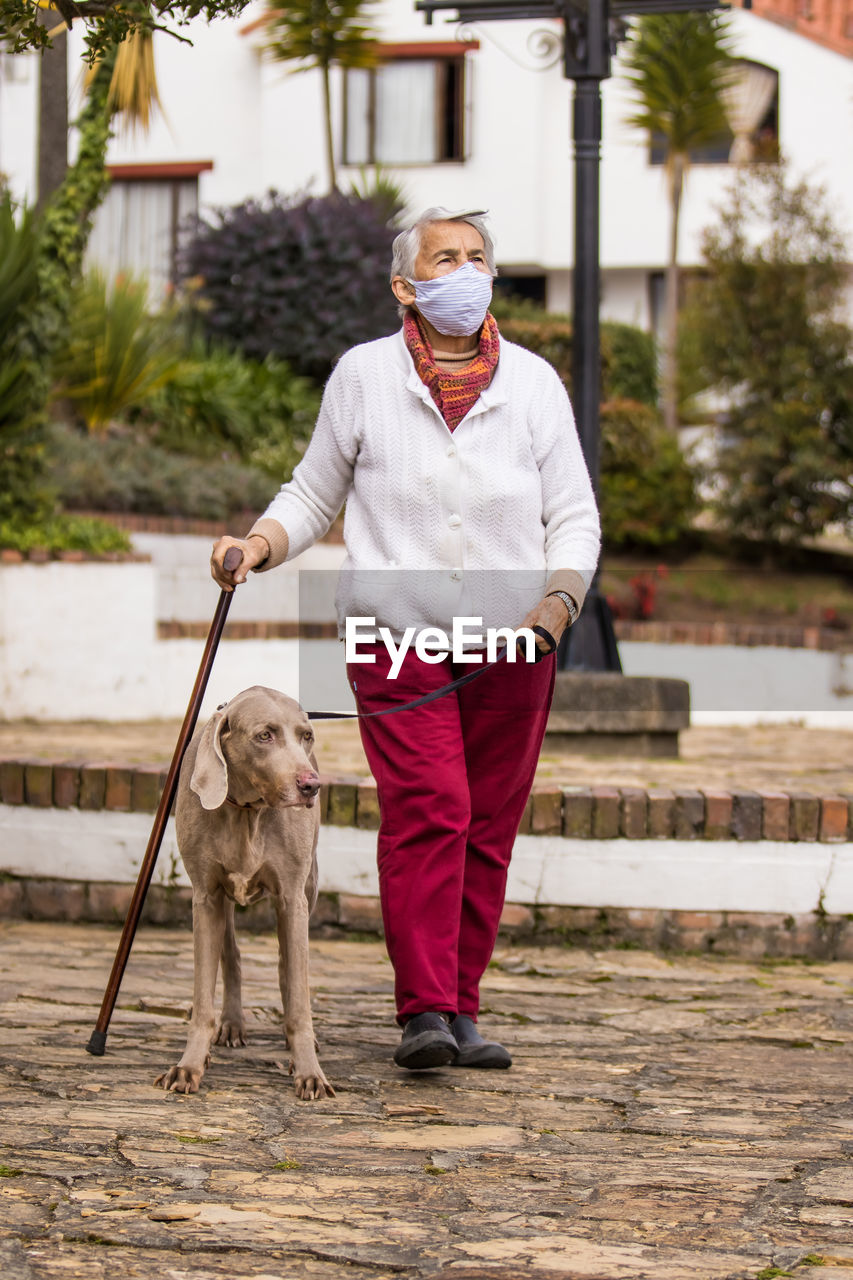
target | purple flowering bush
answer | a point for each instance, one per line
(301, 279)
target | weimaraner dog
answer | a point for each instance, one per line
(247, 824)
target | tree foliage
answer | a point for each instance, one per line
(108, 22)
(677, 65)
(767, 321)
(647, 491)
(321, 34)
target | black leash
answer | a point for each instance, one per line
(435, 694)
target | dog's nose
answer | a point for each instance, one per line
(308, 784)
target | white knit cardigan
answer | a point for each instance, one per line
(438, 523)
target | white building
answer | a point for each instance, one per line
(478, 116)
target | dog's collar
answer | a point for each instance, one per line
(252, 804)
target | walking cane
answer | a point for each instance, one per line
(98, 1040)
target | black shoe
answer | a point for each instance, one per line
(426, 1042)
(474, 1051)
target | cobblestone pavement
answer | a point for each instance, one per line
(674, 1118)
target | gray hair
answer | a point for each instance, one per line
(407, 244)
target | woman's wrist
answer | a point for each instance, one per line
(263, 549)
(569, 602)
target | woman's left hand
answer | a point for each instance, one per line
(550, 613)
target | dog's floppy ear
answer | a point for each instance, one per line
(210, 774)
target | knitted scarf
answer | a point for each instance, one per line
(453, 393)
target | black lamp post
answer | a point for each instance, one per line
(593, 28)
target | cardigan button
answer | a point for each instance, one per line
(454, 521)
(456, 575)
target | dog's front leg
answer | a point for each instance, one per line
(208, 935)
(309, 1079)
(231, 1029)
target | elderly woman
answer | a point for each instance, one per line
(467, 494)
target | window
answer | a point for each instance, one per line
(409, 109)
(137, 228)
(529, 288)
(752, 109)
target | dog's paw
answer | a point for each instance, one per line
(180, 1080)
(230, 1032)
(313, 1087)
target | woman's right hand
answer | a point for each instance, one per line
(255, 551)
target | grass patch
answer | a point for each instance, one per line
(284, 1166)
(6, 1172)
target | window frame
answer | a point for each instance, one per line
(448, 57)
(176, 174)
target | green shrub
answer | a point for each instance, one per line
(629, 363)
(218, 399)
(116, 353)
(647, 493)
(628, 360)
(531, 326)
(122, 472)
(298, 279)
(64, 533)
(23, 386)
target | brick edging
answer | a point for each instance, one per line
(237, 524)
(747, 934)
(821, 639)
(741, 634)
(580, 813)
(174, 629)
(41, 555)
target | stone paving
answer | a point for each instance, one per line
(677, 1118)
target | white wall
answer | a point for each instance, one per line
(18, 121)
(79, 642)
(675, 875)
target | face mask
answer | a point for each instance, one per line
(455, 304)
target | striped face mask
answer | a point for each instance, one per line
(455, 304)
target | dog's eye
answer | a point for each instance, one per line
(308, 738)
(264, 736)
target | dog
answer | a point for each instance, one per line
(247, 824)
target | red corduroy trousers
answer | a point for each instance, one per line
(453, 778)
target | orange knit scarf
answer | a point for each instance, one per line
(454, 393)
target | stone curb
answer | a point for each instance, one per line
(745, 934)
(580, 813)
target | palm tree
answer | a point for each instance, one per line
(133, 93)
(678, 65)
(322, 34)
